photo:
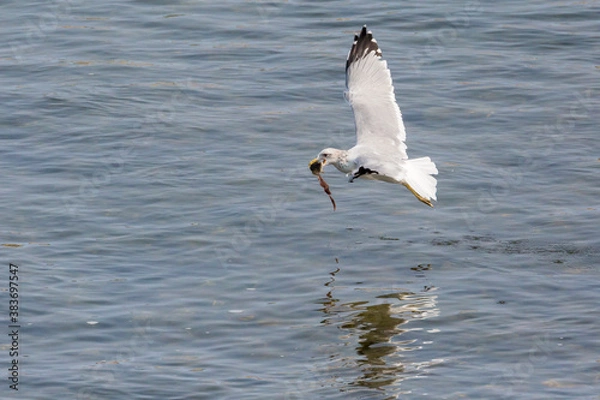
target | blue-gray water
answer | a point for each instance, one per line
(172, 243)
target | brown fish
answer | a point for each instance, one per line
(316, 168)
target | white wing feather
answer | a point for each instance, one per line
(370, 92)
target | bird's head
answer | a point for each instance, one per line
(327, 156)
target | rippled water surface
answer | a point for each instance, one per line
(172, 244)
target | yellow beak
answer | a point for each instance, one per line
(315, 167)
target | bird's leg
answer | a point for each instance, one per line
(362, 171)
(417, 195)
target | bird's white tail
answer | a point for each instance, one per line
(419, 181)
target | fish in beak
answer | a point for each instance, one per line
(316, 167)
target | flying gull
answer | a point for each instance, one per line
(380, 151)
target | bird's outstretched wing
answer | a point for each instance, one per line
(370, 92)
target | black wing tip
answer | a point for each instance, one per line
(364, 44)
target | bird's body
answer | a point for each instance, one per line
(380, 151)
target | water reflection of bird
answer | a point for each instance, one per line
(376, 327)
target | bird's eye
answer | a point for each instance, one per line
(325, 155)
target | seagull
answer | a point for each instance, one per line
(380, 151)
